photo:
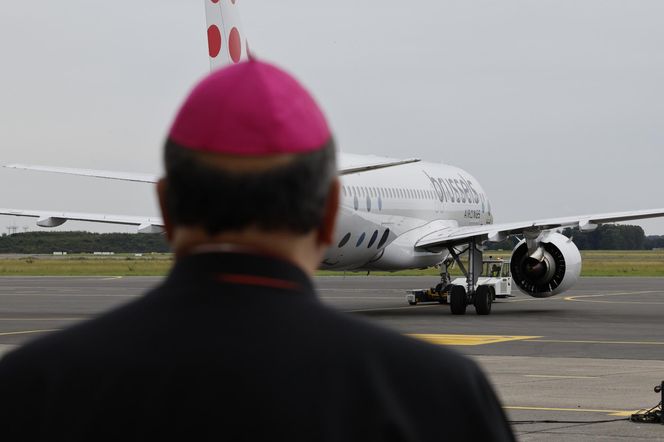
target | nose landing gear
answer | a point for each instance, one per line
(473, 289)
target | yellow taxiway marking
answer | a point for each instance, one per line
(27, 332)
(589, 298)
(619, 413)
(469, 339)
(565, 341)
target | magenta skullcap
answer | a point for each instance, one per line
(251, 108)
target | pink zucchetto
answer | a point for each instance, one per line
(251, 108)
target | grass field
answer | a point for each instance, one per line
(595, 263)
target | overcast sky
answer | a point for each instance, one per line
(557, 107)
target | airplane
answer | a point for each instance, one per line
(396, 214)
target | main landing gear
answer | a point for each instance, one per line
(457, 294)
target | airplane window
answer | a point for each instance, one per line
(344, 240)
(383, 239)
(373, 239)
(368, 203)
(360, 240)
(345, 193)
(356, 203)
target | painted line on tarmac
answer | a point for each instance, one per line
(472, 340)
(368, 298)
(67, 295)
(43, 319)
(571, 341)
(585, 298)
(27, 332)
(337, 290)
(468, 340)
(551, 376)
(618, 413)
(91, 278)
(409, 307)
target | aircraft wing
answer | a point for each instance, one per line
(121, 176)
(147, 178)
(499, 232)
(54, 219)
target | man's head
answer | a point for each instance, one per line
(250, 161)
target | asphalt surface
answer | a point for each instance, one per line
(590, 355)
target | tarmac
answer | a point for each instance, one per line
(562, 366)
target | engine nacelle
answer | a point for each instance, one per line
(553, 268)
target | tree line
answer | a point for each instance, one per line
(82, 242)
(605, 237)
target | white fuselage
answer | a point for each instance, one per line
(385, 212)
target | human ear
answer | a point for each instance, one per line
(162, 186)
(328, 225)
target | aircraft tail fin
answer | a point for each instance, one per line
(227, 43)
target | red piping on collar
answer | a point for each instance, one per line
(262, 281)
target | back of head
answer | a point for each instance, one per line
(248, 149)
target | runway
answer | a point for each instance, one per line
(592, 354)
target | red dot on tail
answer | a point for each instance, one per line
(235, 45)
(214, 41)
(217, 1)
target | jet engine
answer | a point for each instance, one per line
(545, 265)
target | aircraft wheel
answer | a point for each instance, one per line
(483, 300)
(458, 301)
